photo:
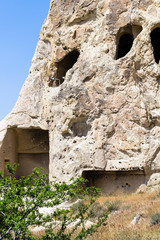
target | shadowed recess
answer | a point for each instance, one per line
(125, 44)
(155, 40)
(115, 181)
(125, 37)
(27, 147)
(65, 64)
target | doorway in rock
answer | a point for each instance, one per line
(155, 40)
(29, 161)
(32, 151)
(115, 181)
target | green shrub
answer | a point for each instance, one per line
(155, 219)
(20, 200)
(78, 206)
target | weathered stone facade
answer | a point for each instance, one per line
(93, 91)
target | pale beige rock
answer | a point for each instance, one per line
(101, 114)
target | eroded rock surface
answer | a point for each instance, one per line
(94, 85)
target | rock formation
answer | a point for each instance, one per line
(91, 103)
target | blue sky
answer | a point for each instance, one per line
(20, 25)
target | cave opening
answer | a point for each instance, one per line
(155, 40)
(125, 38)
(65, 64)
(27, 147)
(114, 181)
(124, 45)
(32, 151)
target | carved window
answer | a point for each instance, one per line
(125, 38)
(125, 44)
(155, 40)
(64, 65)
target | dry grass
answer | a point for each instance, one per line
(119, 222)
(119, 225)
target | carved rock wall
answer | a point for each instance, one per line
(94, 85)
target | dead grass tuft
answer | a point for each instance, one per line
(119, 225)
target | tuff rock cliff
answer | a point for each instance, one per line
(91, 103)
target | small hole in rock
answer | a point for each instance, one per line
(80, 127)
(66, 135)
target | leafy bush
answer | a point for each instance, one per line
(155, 219)
(78, 206)
(20, 200)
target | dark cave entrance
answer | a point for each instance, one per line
(155, 40)
(125, 38)
(124, 45)
(115, 181)
(27, 147)
(32, 151)
(65, 64)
